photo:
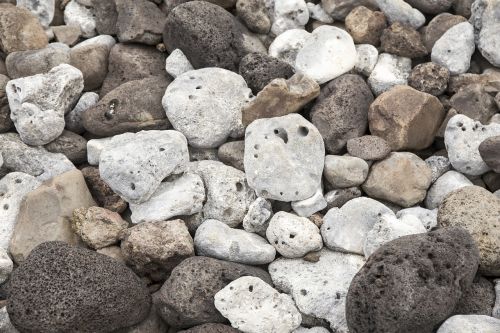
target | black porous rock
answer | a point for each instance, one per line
(259, 69)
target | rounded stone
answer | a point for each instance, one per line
(6, 266)
(367, 59)
(490, 152)
(445, 184)
(232, 154)
(288, 44)
(71, 145)
(254, 15)
(345, 171)
(438, 26)
(429, 78)
(365, 26)
(368, 147)
(469, 323)
(389, 71)
(259, 69)
(431, 6)
(401, 11)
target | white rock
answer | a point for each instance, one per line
(438, 165)
(470, 324)
(38, 103)
(389, 227)
(101, 40)
(389, 71)
(317, 329)
(318, 13)
(462, 138)
(205, 105)
(486, 21)
(289, 14)
(217, 240)
(95, 148)
(182, 196)
(445, 184)
(13, 187)
(43, 10)
(5, 324)
(400, 11)
(319, 289)
(367, 58)
(177, 64)
(134, 164)
(293, 236)
(81, 16)
(311, 205)
(345, 171)
(346, 228)
(284, 157)
(253, 306)
(74, 118)
(328, 53)
(455, 48)
(257, 218)
(6, 265)
(496, 308)
(428, 217)
(228, 195)
(287, 45)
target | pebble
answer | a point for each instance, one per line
(475, 102)
(44, 11)
(139, 21)
(339, 9)
(5, 121)
(257, 218)
(479, 299)
(345, 171)
(67, 34)
(254, 306)
(368, 147)
(6, 266)
(293, 236)
(365, 25)
(232, 154)
(73, 118)
(367, 59)
(429, 78)
(400, 11)
(462, 138)
(339, 197)
(319, 288)
(496, 308)
(438, 26)
(255, 15)
(427, 217)
(289, 14)
(389, 71)
(101, 191)
(454, 48)
(177, 63)
(81, 16)
(95, 148)
(287, 45)
(318, 13)
(488, 149)
(284, 158)
(211, 328)
(486, 23)
(469, 323)
(134, 164)
(444, 185)
(403, 41)
(5, 324)
(309, 206)
(71, 145)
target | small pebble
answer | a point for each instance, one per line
(367, 59)
(309, 206)
(177, 64)
(389, 71)
(345, 171)
(368, 147)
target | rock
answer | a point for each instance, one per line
(277, 163)
(109, 298)
(486, 22)
(311, 330)
(469, 323)
(20, 30)
(490, 179)
(201, 154)
(288, 44)
(400, 11)
(79, 15)
(406, 118)
(341, 111)
(257, 218)
(318, 288)
(217, 240)
(429, 78)
(211, 328)
(5, 121)
(339, 197)
(426, 216)
(38, 103)
(389, 71)
(73, 119)
(106, 16)
(418, 272)
(454, 48)
(215, 115)
(232, 154)
(475, 102)
(309, 206)
(97, 227)
(430, 6)
(496, 308)
(444, 185)
(346, 228)
(345, 171)
(71, 145)
(402, 178)
(367, 59)
(438, 165)
(339, 9)
(101, 191)
(67, 34)
(187, 297)
(156, 248)
(5, 324)
(318, 13)
(152, 324)
(281, 97)
(114, 252)
(289, 14)
(254, 306)
(368, 147)
(365, 26)
(479, 299)
(488, 149)
(182, 196)
(254, 15)
(27, 63)
(6, 266)
(44, 11)
(177, 64)
(199, 25)
(462, 138)
(476, 210)
(402, 41)
(139, 22)
(438, 26)
(134, 164)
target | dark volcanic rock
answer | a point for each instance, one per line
(479, 299)
(259, 69)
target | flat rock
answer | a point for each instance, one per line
(444, 185)
(429, 78)
(368, 147)
(469, 323)
(259, 70)
(101, 192)
(389, 71)
(345, 171)
(139, 21)
(71, 145)
(365, 25)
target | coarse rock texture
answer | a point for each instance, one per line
(255, 15)
(257, 218)
(5, 121)
(284, 158)
(400, 11)
(6, 266)
(367, 59)
(438, 165)
(479, 299)
(368, 147)
(339, 197)
(486, 22)
(389, 71)
(476, 210)
(44, 11)
(345, 171)
(431, 6)
(289, 14)
(82, 16)
(287, 45)
(426, 216)
(438, 26)
(99, 294)
(5, 324)
(139, 21)
(101, 192)
(71, 145)
(177, 63)
(260, 69)
(488, 149)
(444, 185)
(429, 78)
(403, 41)
(365, 26)
(186, 299)
(339, 9)
(469, 323)
(427, 273)
(67, 34)
(211, 328)
(475, 102)
(152, 324)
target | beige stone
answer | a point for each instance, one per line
(114, 252)
(67, 34)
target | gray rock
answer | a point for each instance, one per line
(345, 171)
(400, 11)
(339, 197)
(202, 154)
(431, 6)
(479, 299)
(367, 59)
(6, 266)
(139, 21)
(255, 15)
(438, 165)
(177, 63)
(389, 71)
(469, 323)
(71, 145)
(5, 121)
(257, 218)
(288, 44)
(496, 308)
(289, 14)
(232, 153)
(80, 15)
(95, 148)
(447, 183)
(318, 13)
(368, 147)
(309, 206)
(486, 23)
(426, 216)
(73, 118)
(438, 26)
(488, 149)
(317, 329)
(43, 10)
(339, 9)
(5, 323)
(474, 101)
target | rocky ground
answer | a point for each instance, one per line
(258, 166)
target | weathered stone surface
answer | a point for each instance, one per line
(339, 197)
(44, 10)
(368, 147)
(438, 26)
(429, 78)
(288, 44)
(443, 186)
(431, 6)
(479, 299)
(311, 205)
(67, 34)
(345, 171)
(289, 14)
(389, 71)
(438, 165)
(71, 145)
(139, 21)
(400, 11)
(426, 216)
(339, 9)
(475, 102)
(73, 118)
(101, 192)
(486, 22)
(232, 154)
(367, 59)
(490, 152)
(365, 25)
(177, 63)
(257, 218)
(254, 15)
(6, 267)
(81, 16)
(5, 121)
(152, 324)
(211, 328)
(402, 41)
(470, 323)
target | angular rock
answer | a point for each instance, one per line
(67, 34)
(345, 171)
(486, 22)
(389, 71)
(81, 16)
(368, 147)
(177, 64)
(6, 266)
(438, 165)
(71, 145)
(400, 11)
(426, 216)
(101, 192)
(257, 218)
(444, 185)
(106, 16)
(254, 15)
(289, 14)
(402, 41)
(139, 21)
(339, 197)
(438, 26)
(365, 26)
(475, 102)
(490, 152)
(44, 10)
(469, 323)
(232, 154)
(429, 78)
(73, 119)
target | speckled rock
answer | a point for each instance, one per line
(402, 41)
(257, 218)
(365, 25)
(479, 299)
(71, 145)
(389, 71)
(486, 22)
(488, 149)
(44, 11)
(6, 267)
(475, 102)
(177, 63)
(426, 216)
(368, 147)
(259, 69)
(367, 59)
(438, 165)
(211, 328)
(73, 119)
(254, 15)
(400, 11)
(289, 14)
(345, 171)
(429, 78)
(5, 121)
(288, 44)
(339, 197)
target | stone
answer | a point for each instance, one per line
(426, 216)
(389, 71)
(318, 13)
(20, 30)
(31, 62)
(345, 229)
(403, 41)
(73, 119)
(491, 179)
(287, 45)
(45, 214)
(339, 9)
(182, 196)
(71, 145)
(488, 149)
(367, 59)
(101, 191)
(79, 15)
(345, 171)
(134, 164)
(454, 48)
(339, 197)
(319, 288)
(368, 147)
(156, 248)
(281, 97)
(201, 154)
(5, 121)
(496, 308)
(402, 178)
(430, 6)
(479, 299)
(67, 34)
(219, 94)
(139, 21)
(186, 299)
(257, 218)
(177, 63)
(5, 324)
(476, 210)
(462, 138)
(341, 111)
(289, 14)
(254, 15)
(309, 206)
(38, 103)
(114, 252)
(429, 78)
(475, 102)
(211, 328)
(152, 324)
(284, 158)
(400, 11)
(317, 329)
(97, 227)
(232, 154)
(486, 23)
(444, 185)
(418, 272)
(365, 26)
(6, 266)
(44, 11)
(56, 273)
(469, 323)
(438, 165)
(217, 240)
(199, 25)
(406, 118)
(436, 27)
(105, 16)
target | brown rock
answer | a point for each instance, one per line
(254, 15)
(490, 152)
(67, 34)
(438, 26)
(32, 62)
(368, 147)
(429, 78)
(101, 191)
(365, 26)
(281, 97)
(474, 102)
(106, 16)
(139, 21)
(406, 118)
(403, 41)
(92, 60)
(211, 328)
(232, 153)
(72, 145)
(5, 121)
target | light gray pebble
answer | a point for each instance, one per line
(202, 154)
(438, 165)
(345, 171)
(367, 58)
(311, 205)
(400, 11)
(6, 265)
(317, 12)
(5, 324)
(94, 149)
(257, 218)
(177, 63)
(390, 70)
(317, 329)
(73, 118)
(486, 21)
(43, 10)
(447, 183)
(78, 15)
(428, 217)
(286, 46)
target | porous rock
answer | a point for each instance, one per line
(260, 69)
(469, 323)
(368, 147)
(402, 41)
(429, 78)
(139, 21)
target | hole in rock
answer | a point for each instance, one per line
(132, 186)
(282, 134)
(292, 236)
(250, 288)
(239, 187)
(303, 292)
(198, 87)
(162, 149)
(6, 206)
(19, 181)
(303, 131)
